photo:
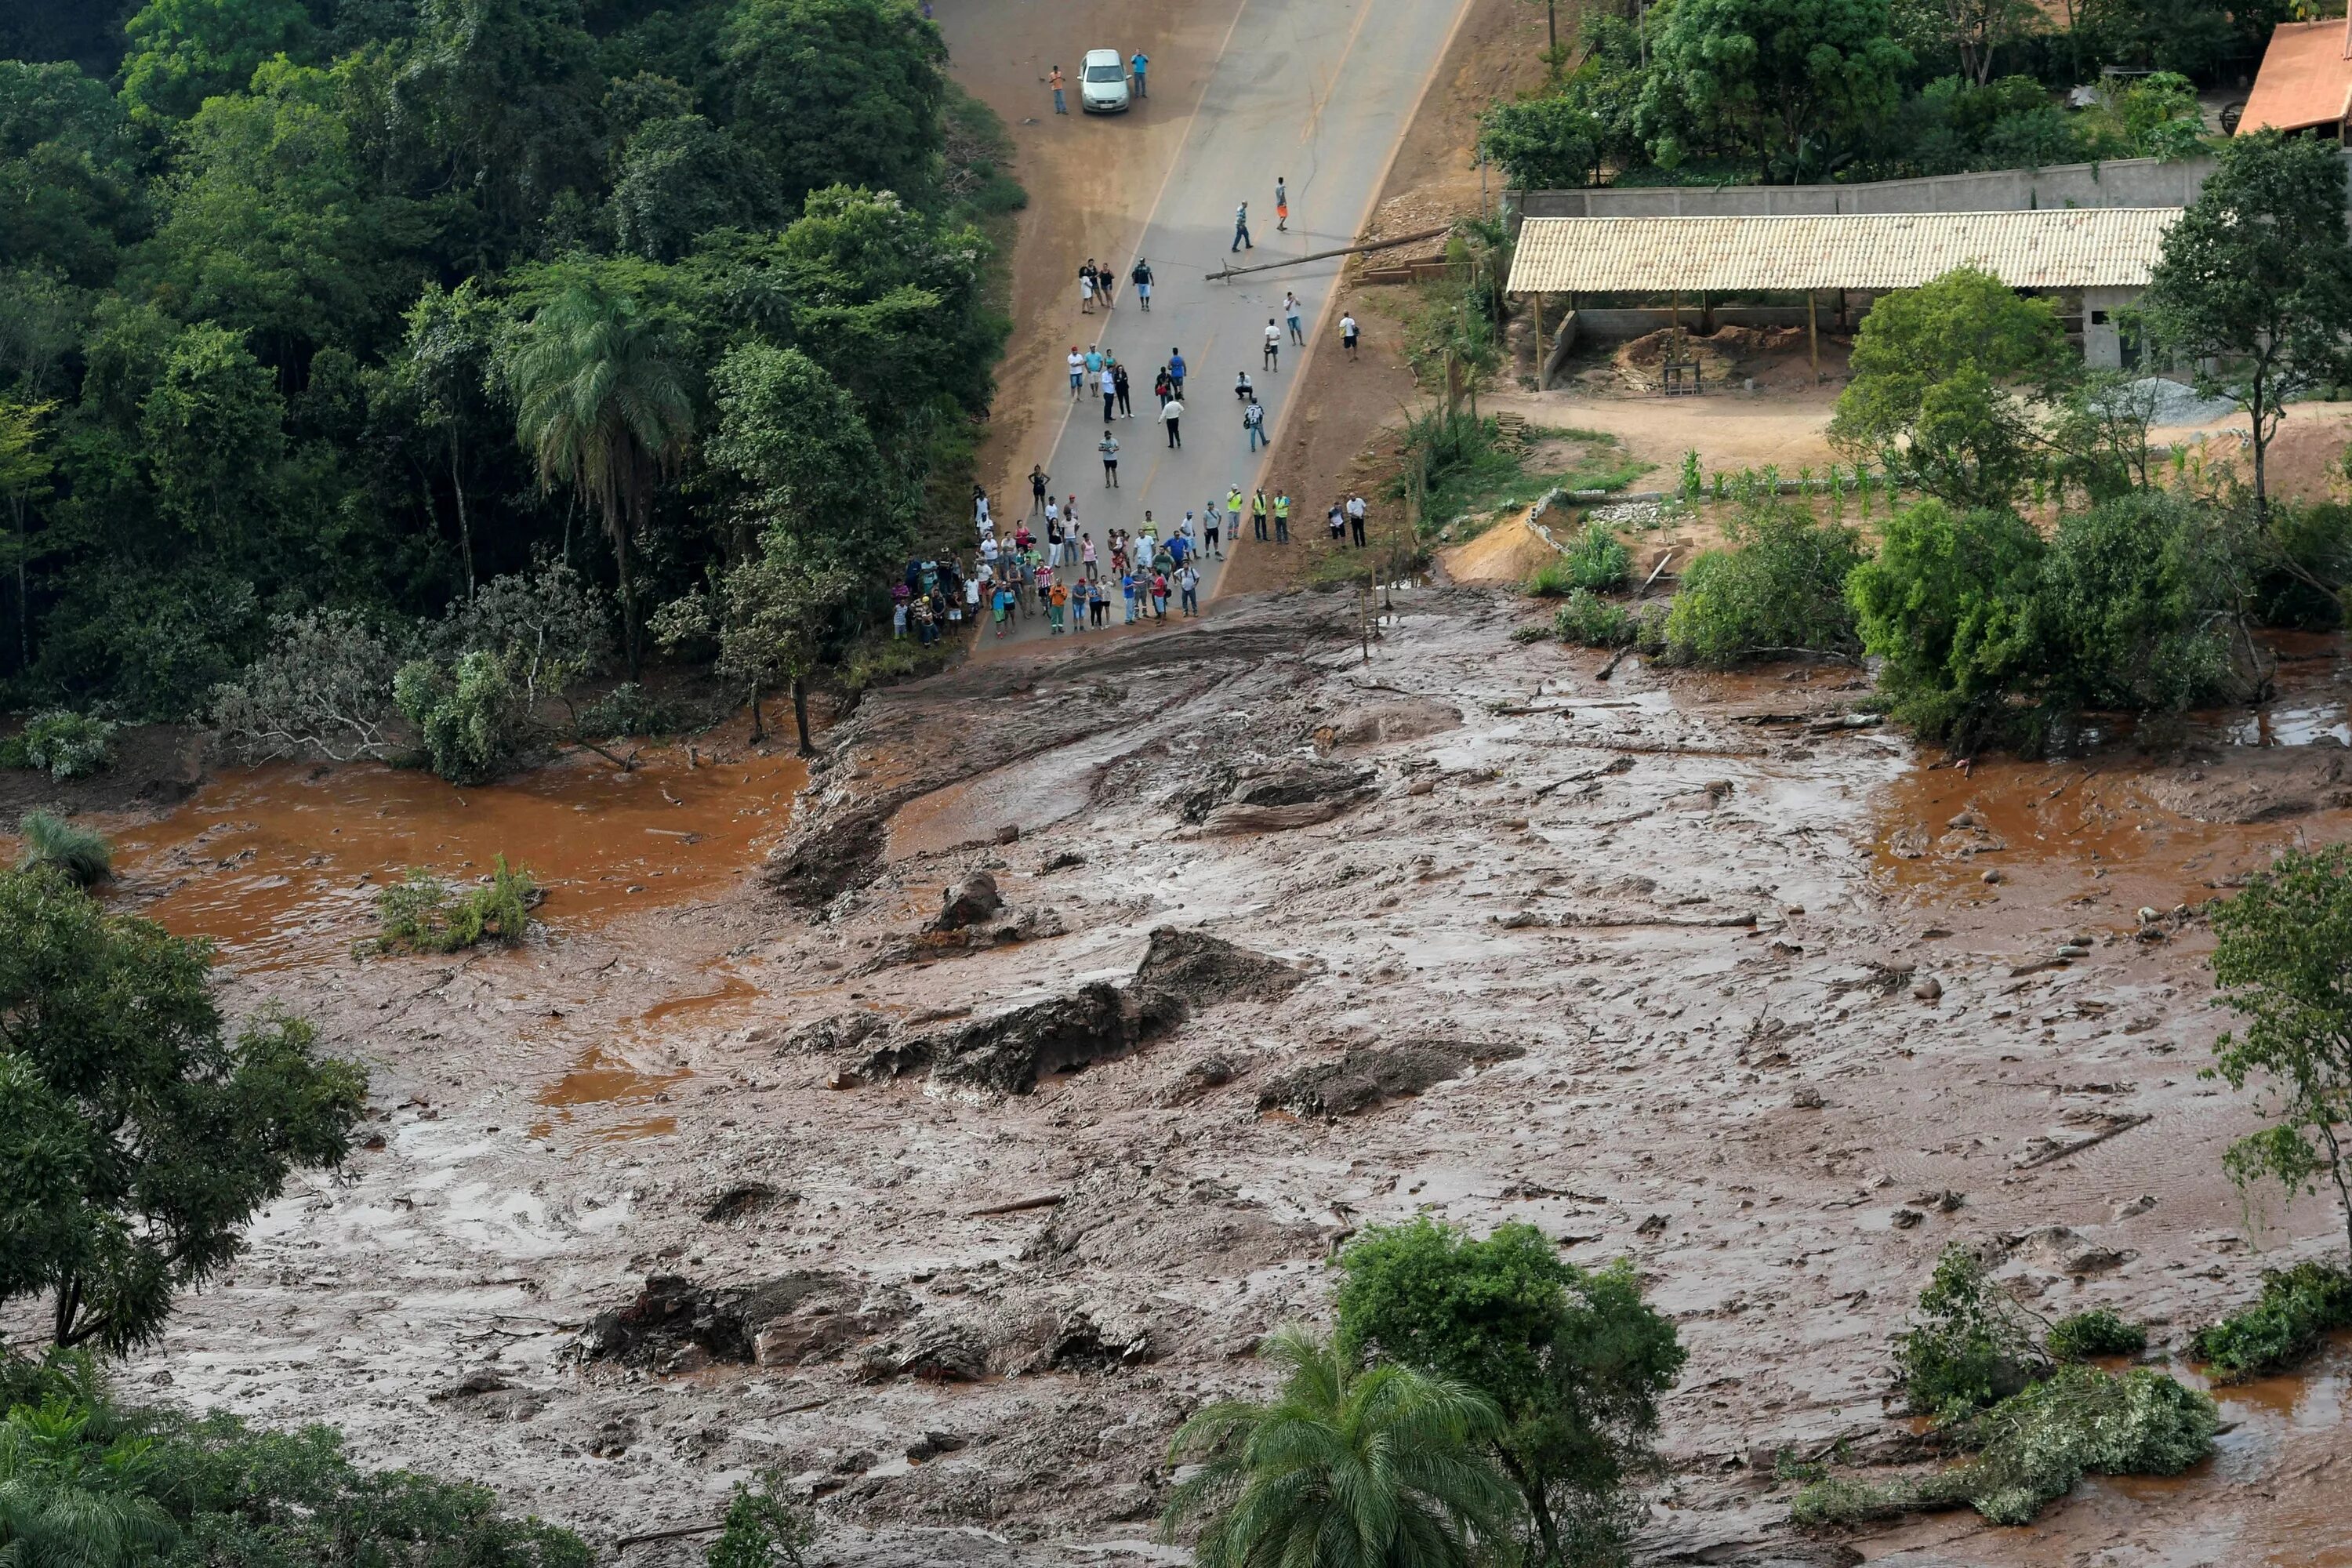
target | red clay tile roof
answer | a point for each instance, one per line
(2305, 79)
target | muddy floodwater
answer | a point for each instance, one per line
(1706, 973)
(280, 865)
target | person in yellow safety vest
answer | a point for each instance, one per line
(1282, 518)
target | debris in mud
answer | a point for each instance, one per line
(1369, 1076)
(1197, 1078)
(1202, 1227)
(1378, 723)
(1273, 798)
(840, 1033)
(831, 854)
(944, 942)
(944, 1352)
(744, 1200)
(968, 902)
(781, 1321)
(1095, 1340)
(1007, 1053)
(931, 1445)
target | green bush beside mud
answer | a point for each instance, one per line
(2034, 1446)
(63, 744)
(2081, 1335)
(1590, 621)
(1597, 560)
(421, 914)
(2298, 1307)
(1972, 1346)
(1780, 590)
(83, 855)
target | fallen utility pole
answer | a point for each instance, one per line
(1326, 255)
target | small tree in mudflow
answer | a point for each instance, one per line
(2282, 954)
(2255, 284)
(137, 1135)
(769, 615)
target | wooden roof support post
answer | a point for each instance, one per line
(1540, 298)
(1813, 331)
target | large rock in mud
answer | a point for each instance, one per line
(1366, 1077)
(1008, 1052)
(968, 902)
(831, 854)
(1271, 797)
(782, 1321)
(1201, 1228)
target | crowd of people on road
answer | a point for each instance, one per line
(1046, 566)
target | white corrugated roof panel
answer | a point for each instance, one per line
(2074, 248)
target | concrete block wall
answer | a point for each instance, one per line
(2118, 183)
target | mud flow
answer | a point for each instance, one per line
(282, 865)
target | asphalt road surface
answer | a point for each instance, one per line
(1319, 92)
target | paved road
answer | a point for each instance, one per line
(1319, 92)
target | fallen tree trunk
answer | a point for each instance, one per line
(1326, 255)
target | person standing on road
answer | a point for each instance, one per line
(1290, 315)
(1119, 380)
(1172, 411)
(1241, 229)
(1234, 508)
(1176, 369)
(1159, 594)
(1281, 205)
(1141, 276)
(1212, 533)
(1127, 590)
(1356, 511)
(1254, 422)
(1139, 65)
(1109, 381)
(1281, 517)
(1086, 555)
(1109, 447)
(1188, 582)
(1272, 359)
(1163, 386)
(1095, 358)
(1061, 104)
(1077, 372)
(1348, 333)
(1257, 517)
(1086, 288)
(1038, 480)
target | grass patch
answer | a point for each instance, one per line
(2298, 1307)
(2081, 1335)
(1588, 620)
(2034, 1446)
(81, 854)
(1472, 473)
(421, 914)
(1597, 561)
(879, 660)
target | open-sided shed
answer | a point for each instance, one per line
(2102, 254)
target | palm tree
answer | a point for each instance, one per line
(601, 406)
(1348, 1468)
(68, 1502)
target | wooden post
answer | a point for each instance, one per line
(1540, 298)
(1813, 331)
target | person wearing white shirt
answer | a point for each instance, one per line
(1273, 357)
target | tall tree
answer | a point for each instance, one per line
(24, 468)
(1573, 1360)
(446, 366)
(795, 444)
(1348, 1468)
(836, 92)
(137, 1136)
(1949, 375)
(2282, 952)
(769, 614)
(186, 51)
(602, 408)
(1780, 77)
(2254, 283)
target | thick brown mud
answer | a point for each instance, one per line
(282, 865)
(1635, 961)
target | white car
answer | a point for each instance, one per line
(1102, 82)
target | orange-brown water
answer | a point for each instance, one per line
(282, 864)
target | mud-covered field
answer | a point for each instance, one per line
(951, 1216)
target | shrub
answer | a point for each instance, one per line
(627, 710)
(1599, 559)
(1948, 604)
(1783, 589)
(2132, 595)
(322, 687)
(421, 913)
(84, 856)
(2298, 1307)
(1970, 1345)
(468, 716)
(1591, 621)
(64, 744)
(2035, 1445)
(2098, 1331)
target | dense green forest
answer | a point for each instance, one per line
(1704, 92)
(318, 318)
